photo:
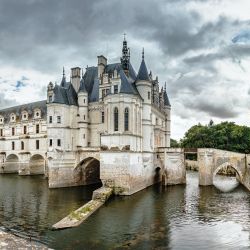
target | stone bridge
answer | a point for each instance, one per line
(210, 161)
(23, 163)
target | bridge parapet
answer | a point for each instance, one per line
(210, 161)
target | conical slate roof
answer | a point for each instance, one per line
(166, 100)
(63, 82)
(82, 86)
(143, 72)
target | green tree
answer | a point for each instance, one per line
(174, 143)
(226, 136)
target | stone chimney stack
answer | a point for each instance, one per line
(102, 62)
(76, 78)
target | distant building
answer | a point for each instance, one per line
(107, 124)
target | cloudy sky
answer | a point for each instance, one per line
(201, 48)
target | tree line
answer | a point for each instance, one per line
(225, 135)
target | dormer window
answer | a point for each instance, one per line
(50, 98)
(37, 113)
(24, 115)
(12, 118)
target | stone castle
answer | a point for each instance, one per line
(106, 124)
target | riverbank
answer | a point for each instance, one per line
(11, 241)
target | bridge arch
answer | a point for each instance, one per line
(11, 164)
(88, 171)
(37, 164)
(226, 164)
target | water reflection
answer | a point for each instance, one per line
(174, 217)
(225, 183)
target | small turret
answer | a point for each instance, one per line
(143, 71)
(83, 114)
(165, 96)
(143, 82)
(50, 92)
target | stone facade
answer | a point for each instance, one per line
(23, 139)
(105, 124)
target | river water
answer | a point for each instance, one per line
(175, 217)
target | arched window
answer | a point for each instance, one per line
(126, 119)
(22, 145)
(116, 115)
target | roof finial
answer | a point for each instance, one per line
(165, 87)
(82, 72)
(63, 72)
(142, 53)
(124, 36)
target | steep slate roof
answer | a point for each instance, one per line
(82, 86)
(29, 107)
(60, 95)
(63, 82)
(92, 85)
(72, 95)
(127, 85)
(166, 100)
(143, 72)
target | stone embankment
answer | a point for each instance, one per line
(75, 218)
(11, 241)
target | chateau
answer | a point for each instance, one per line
(106, 124)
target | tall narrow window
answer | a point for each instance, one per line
(13, 145)
(115, 89)
(37, 128)
(126, 119)
(25, 130)
(37, 144)
(50, 142)
(102, 116)
(116, 116)
(13, 131)
(58, 119)
(22, 145)
(50, 98)
(50, 119)
(103, 93)
(59, 143)
(148, 95)
(1, 132)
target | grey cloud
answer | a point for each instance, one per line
(6, 102)
(45, 35)
(213, 109)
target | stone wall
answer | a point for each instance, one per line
(174, 166)
(127, 172)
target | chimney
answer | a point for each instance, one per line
(76, 77)
(102, 62)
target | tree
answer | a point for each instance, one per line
(226, 136)
(174, 143)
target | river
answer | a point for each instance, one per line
(174, 217)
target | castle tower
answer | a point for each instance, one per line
(167, 109)
(83, 114)
(144, 86)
